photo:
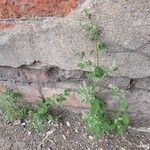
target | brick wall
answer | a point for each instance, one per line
(32, 8)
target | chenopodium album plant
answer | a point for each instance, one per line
(42, 112)
(97, 119)
(11, 106)
(14, 109)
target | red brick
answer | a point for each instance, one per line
(29, 93)
(6, 26)
(31, 8)
(72, 101)
(32, 94)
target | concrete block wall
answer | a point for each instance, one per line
(37, 58)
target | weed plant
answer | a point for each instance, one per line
(13, 109)
(97, 119)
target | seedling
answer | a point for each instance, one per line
(42, 113)
(11, 107)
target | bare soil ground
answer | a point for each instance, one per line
(69, 134)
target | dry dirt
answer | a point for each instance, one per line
(69, 134)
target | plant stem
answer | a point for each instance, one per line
(97, 57)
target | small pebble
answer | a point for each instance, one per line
(64, 137)
(55, 125)
(49, 122)
(68, 124)
(50, 132)
(141, 142)
(76, 130)
(60, 125)
(23, 124)
(29, 133)
(90, 137)
(16, 122)
(67, 132)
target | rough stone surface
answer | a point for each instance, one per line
(40, 74)
(125, 26)
(34, 83)
(51, 40)
(29, 8)
(39, 81)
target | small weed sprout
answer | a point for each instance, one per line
(98, 120)
(120, 118)
(13, 109)
(42, 113)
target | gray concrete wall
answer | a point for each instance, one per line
(126, 30)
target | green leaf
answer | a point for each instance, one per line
(90, 75)
(95, 106)
(41, 111)
(101, 46)
(50, 118)
(119, 129)
(81, 65)
(87, 13)
(99, 72)
(92, 30)
(123, 105)
(62, 97)
(96, 131)
(23, 112)
(125, 118)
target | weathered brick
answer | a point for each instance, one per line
(28, 93)
(72, 101)
(6, 26)
(31, 8)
